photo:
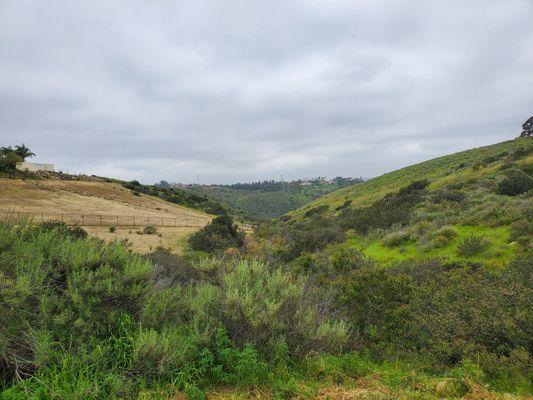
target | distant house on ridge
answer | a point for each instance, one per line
(34, 167)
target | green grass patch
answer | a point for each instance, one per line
(497, 253)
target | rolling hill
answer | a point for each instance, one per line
(96, 205)
(470, 164)
(435, 209)
(262, 201)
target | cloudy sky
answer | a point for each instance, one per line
(247, 90)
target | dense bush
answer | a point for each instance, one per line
(452, 195)
(447, 312)
(522, 231)
(60, 292)
(149, 230)
(317, 210)
(443, 236)
(310, 236)
(515, 183)
(76, 232)
(81, 319)
(395, 208)
(218, 235)
(396, 238)
(472, 245)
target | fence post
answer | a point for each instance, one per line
(117, 220)
(134, 220)
(100, 220)
(82, 220)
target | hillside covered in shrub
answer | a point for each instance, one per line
(473, 206)
(84, 320)
(420, 289)
(260, 201)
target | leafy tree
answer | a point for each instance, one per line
(527, 128)
(9, 159)
(220, 234)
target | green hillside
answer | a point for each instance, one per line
(442, 171)
(472, 206)
(415, 285)
(269, 199)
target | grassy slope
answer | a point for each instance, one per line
(478, 218)
(497, 254)
(439, 171)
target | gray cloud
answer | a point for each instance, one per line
(239, 90)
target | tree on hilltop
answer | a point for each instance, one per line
(527, 128)
(9, 159)
(24, 151)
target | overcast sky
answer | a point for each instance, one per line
(248, 90)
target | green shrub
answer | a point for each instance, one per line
(310, 236)
(218, 235)
(472, 245)
(112, 229)
(443, 236)
(75, 232)
(522, 231)
(451, 195)
(318, 210)
(394, 208)
(515, 183)
(520, 152)
(161, 354)
(149, 230)
(170, 269)
(259, 306)
(344, 205)
(61, 292)
(396, 238)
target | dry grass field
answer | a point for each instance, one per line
(172, 238)
(102, 202)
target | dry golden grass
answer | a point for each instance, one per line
(109, 200)
(77, 197)
(168, 237)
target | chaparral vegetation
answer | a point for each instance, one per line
(414, 285)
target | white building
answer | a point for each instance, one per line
(34, 167)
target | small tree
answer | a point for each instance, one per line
(9, 159)
(527, 128)
(220, 234)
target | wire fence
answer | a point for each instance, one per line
(184, 221)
